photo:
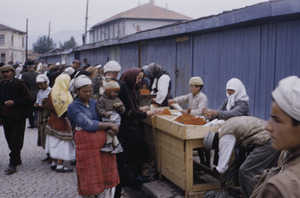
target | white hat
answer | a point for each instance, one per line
(112, 66)
(81, 81)
(42, 78)
(69, 70)
(57, 64)
(98, 66)
(287, 94)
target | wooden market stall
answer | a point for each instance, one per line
(172, 144)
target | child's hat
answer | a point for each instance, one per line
(196, 80)
(112, 85)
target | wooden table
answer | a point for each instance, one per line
(171, 145)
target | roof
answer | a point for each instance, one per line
(4, 27)
(148, 11)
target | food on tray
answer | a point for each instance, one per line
(189, 119)
(165, 112)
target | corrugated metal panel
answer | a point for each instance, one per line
(220, 56)
(129, 56)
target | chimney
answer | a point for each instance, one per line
(152, 2)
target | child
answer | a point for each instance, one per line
(196, 100)
(110, 107)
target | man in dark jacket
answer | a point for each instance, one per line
(15, 99)
(30, 78)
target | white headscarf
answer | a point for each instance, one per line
(42, 78)
(239, 94)
(81, 81)
(287, 96)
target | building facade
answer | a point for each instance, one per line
(12, 45)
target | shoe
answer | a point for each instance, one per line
(53, 167)
(117, 149)
(11, 169)
(46, 159)
(64, 170)
(31, 127)
(73, 162)
(107, 148)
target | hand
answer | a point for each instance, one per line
(9, 103)
(144, 108)
(184, 112)
(209, 113)
(106, 114)
(153, 112)
(115, 127)
(170, 101)
(111, 132)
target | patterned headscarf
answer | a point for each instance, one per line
(239, 94)
(60, 95)
(154, 69)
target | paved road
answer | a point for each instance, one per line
(33, 178)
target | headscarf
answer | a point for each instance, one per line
(60, 95)
(42, 78)
(81, 81)
(129, 77)
(287, 95)
(154, 69)
(239, 94)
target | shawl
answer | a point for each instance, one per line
(60, 95)
(239, 94)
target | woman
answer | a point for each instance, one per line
(96, 171)
(59, 138)
(284, 126)
(161, 84)
(236, 103)
(136, 150)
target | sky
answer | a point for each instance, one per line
(67, 17)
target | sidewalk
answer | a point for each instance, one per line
(34, 179)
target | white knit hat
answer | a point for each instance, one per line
(112, 85)
(112, 66)
(287, 95)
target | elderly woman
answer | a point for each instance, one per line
(96, 171)
(236, 103)
(161, 84)
(284, 126)
(59, 138)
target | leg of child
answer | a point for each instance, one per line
(117, 146)
(108, 147)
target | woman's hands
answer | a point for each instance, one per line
(113, 130)
(209, 113)
(153, 112)
(144, 108)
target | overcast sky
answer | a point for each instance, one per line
(69, 15)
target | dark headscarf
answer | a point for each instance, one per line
(129, 77)
(155, 69)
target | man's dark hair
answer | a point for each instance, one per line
(295, 122)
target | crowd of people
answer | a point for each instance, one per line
(87, 115)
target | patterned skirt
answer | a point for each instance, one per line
(96, 170)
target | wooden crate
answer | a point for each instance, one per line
(171, 145)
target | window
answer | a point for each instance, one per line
(2, 39)
(12, 40)
(2, 58)
(23, 42)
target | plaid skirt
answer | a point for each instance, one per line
(96, 170)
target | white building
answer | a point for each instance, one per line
(12, 44)
(143, 17)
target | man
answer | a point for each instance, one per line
(15, 100)
(249, 135)
(76, 64)
(30, 78)
(284, 126)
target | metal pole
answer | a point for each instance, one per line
(26, 42)
(49, 36)
(86, 21)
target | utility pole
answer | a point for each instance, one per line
(86, 22)
(26, 42)
(49, 36)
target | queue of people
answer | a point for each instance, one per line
(106, 138)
